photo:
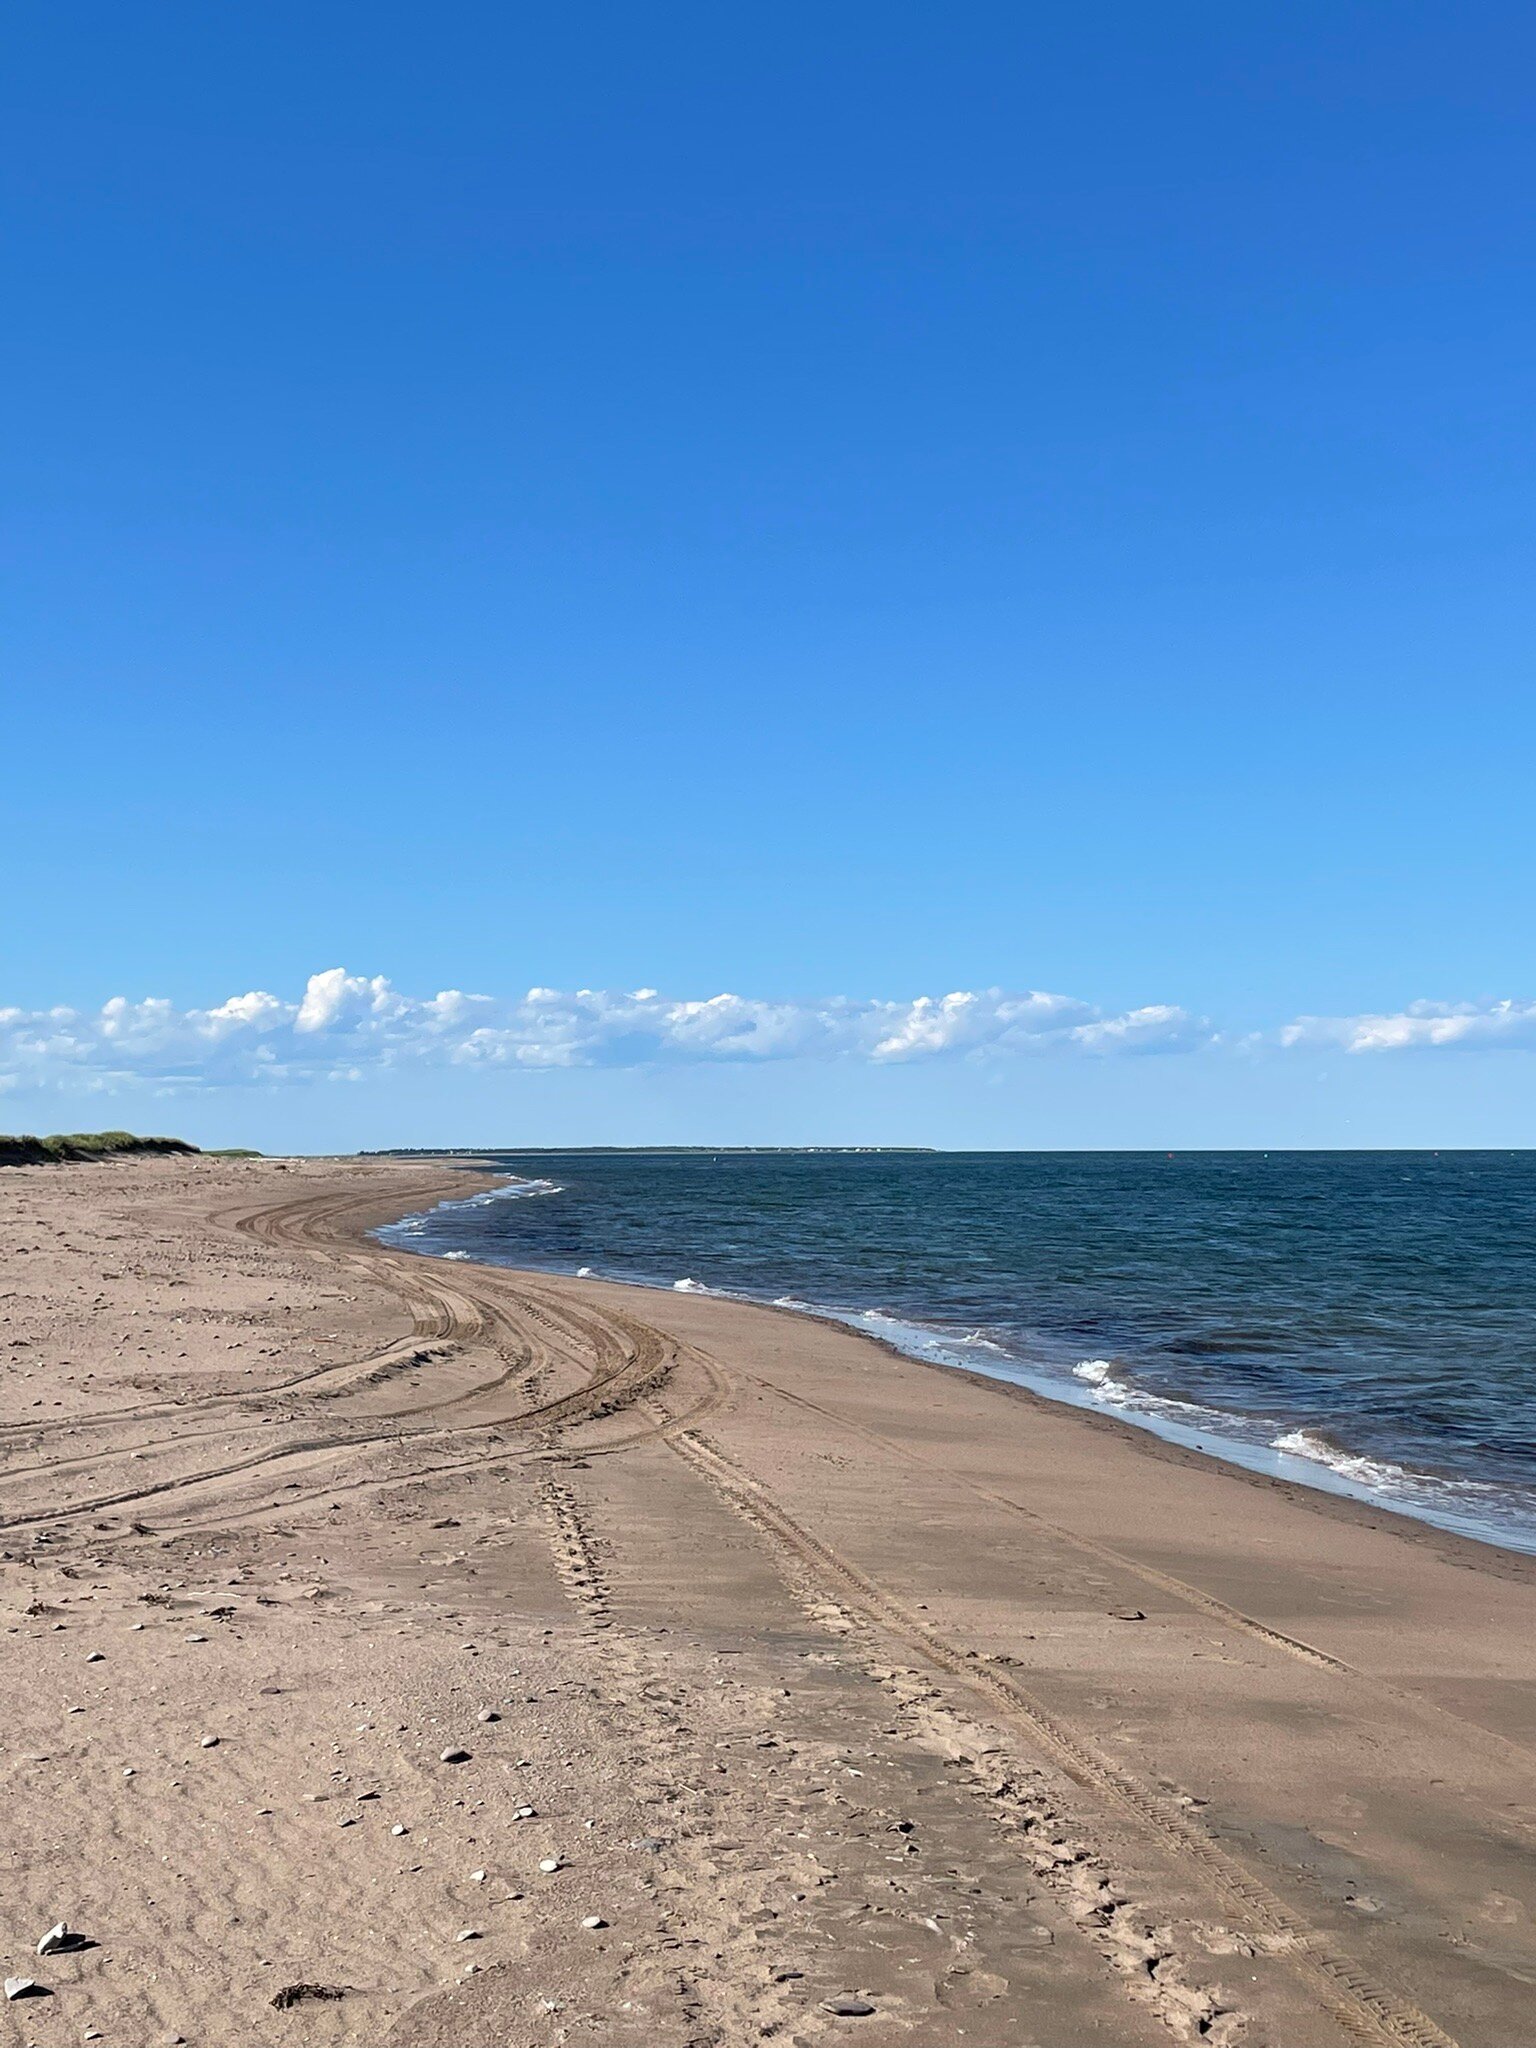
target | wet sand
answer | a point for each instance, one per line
(827, 1677)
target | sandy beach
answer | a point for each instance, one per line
(411, 1652)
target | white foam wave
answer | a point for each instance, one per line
(689, 1287)
(1373, 1472)
(1111, 1392)
(583, 1272)
(454, 1255)
(514, 1191)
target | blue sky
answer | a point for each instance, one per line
(825, 505)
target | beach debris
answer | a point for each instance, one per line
(525, 1813)
(62, 1939)
(848, 2008)
(593, 1921)
(25, 1987)
(1126, 1614)
(299, 1994)
(454, 1756)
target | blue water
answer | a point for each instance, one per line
(1361, 1321)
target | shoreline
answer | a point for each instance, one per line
(697, 1673)
(1264, 1463)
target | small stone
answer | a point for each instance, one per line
(209, 1742)
(549, 1864)
(197, 1639)
(477, 1877)
(399, 1828)
(525, 1813)
(488, 1714)
(593, 1921)
(59, 1940)
(25, 1987)
(454, 1756)
(1126, 1614)
(95, 1657)
(467, 1934)
(848, 2008)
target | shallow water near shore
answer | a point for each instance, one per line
(1365, 1322)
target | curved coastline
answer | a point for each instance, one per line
(1293, 1458)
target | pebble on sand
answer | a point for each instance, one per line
(593, 1921)
(454, 1756)
(549, 1864)
(209, 1742)
(848, 2008)
(25, 1987)
(59, 1940)
(488, 1714)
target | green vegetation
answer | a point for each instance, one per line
(63, 1145)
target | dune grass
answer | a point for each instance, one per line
(25, 1150)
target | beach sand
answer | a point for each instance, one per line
(825, 1676)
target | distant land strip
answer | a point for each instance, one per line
(626, 1151)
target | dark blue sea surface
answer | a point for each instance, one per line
(1361, 1321)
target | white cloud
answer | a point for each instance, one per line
(347, 1025)
(1425, 1024)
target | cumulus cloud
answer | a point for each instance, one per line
(1422, 1024)
(344, 1025)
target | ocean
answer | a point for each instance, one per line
(1364, 1322)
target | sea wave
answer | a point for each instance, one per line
(1109, 1390)
(1379, 1474)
